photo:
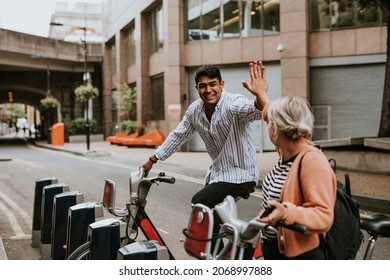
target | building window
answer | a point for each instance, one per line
(156, 23)
(231, 19)
(369, 13)
(260, 17)
(203, 20)
(133, 112)
(130, 46)
(211, 20)
(338, 14)
(271, 12)
(158, 103)
(112, 56)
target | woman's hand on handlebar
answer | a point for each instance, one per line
(278, 213)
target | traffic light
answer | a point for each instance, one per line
(10, 97)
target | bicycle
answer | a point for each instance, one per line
(241, 240)
(131, 218)
(236, 240)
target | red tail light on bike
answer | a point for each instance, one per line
(199, 232)
(109, 195)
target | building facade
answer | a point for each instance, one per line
(332, 52)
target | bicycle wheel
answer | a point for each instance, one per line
(81, 253)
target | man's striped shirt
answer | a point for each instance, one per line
(227, 137)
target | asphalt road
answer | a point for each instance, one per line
(168, 205)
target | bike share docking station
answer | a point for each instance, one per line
(105, 239)
(36, 224)
(80, 216)
(143, 250)
(60, 219)
(61, 204)
(69, 228)
(48, 194)
(105, 236)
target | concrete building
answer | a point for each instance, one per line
(331, 52)
(70, 18)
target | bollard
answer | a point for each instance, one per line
(105, 239)
(80, 216)
(36, 223)
(143, 250)
(61, 204)
(48, 194)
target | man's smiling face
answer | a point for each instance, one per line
(209, 90)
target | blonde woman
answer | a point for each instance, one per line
(301, 187)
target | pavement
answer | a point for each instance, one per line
(371, 190)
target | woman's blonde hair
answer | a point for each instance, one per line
(292, 116)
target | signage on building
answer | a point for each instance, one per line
(174, 109)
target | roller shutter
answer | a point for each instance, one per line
(349, 97)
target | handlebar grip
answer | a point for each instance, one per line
(296, 227)
(169, 180)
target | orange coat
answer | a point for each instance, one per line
(311, 204)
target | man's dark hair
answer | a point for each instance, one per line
(209, 71)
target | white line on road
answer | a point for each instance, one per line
(163, 231)
(16, 228)
(26, 217)
(127, 167)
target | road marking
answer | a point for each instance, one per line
(163, 231)
(16, 228)
(29, 164)
(127, 167)
(15, 206)
(19, 233)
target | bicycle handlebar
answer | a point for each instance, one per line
(227, 211)
(253, 227)
(139, 186)
(295, 227)
(162, 178)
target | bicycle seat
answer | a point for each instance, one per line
(227, 211)
(377, 224)
(247, 195)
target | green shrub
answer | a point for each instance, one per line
(77, 126)
(128, 127)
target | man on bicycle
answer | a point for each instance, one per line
(223, 122)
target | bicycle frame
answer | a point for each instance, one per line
(241, 235)
(139, 188)
(199, 234)
(147, 227)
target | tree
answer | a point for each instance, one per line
(15, 111)
(125, 98)
(384, 127)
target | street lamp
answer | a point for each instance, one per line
(86, 77)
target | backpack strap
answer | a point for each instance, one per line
(321, 236)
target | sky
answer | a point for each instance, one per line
(29, 16)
